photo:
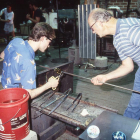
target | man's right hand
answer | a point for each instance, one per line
(53, 82)
(99, 79)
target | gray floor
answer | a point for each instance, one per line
(105, 95)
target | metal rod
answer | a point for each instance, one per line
(51, 102)
(76, 75)
(65, 97)
(120, 87)
(65, 93)
(100, 82)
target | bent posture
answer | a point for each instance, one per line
(126, 34)
(19, 67)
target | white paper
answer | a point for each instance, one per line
(136, 133)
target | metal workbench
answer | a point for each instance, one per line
(51, 126)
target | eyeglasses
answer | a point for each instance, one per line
(92, 25)
(106, 13)
(48, 38)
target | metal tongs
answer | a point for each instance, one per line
(65, 97)
(78, 96)
(58, 77)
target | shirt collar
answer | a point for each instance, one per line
(117, 27)
(30, 49)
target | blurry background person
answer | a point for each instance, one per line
(38, 16)
(9, 17)
(31, 9)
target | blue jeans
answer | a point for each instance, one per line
(133, 108)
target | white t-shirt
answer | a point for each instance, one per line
(9, 16)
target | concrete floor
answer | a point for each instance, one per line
(104, 95)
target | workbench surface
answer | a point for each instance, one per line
(109, 123)
(74, 118)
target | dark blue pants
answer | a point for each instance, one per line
(133, 108)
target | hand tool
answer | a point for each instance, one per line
(58, 78)
(52, 94)
(47, 98)
(78, 96)
(56, 99)
(90, 80)
(68, 92)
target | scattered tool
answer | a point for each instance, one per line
(65, 93)
(48, 98)
(52, 94)
(65, 97)
(78, 96)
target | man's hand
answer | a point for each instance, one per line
(99, 79)
(53, 82)
(2, 55)
(28, 16)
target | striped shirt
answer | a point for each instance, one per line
(127, 39)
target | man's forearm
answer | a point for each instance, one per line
(126, 67)
(121, 71)
(3, 20)
(35, 92)
(33, 20)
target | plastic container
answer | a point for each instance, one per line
(14, 117)
(93, 131)
(118, 135)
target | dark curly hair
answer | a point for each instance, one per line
(41, 29)
(33, 2)
(9, 4)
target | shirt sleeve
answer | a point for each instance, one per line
(28, 74)
(2, 11)
(134, 34)
(38, 13)
(10, 16)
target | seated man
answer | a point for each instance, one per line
(9, 17)
(19, 68)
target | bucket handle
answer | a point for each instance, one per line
(12, 117)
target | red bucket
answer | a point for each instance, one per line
(14, 117)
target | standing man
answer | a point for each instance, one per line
(9, 17)
(38, 16)
(19, 68)
(126, 34)
(31, 9)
